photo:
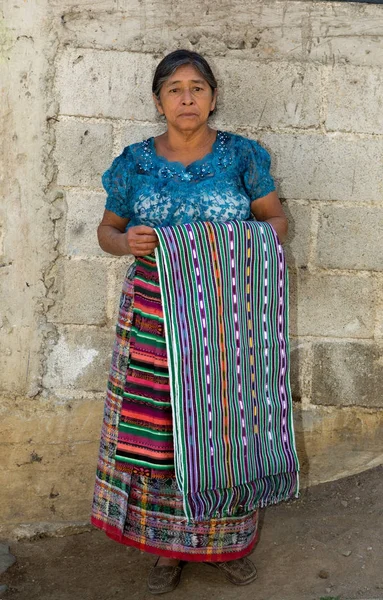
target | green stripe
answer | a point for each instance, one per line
(151, 433)
(157, 339)
(147, 370)
(146, 400)
(149, 316)
(144, 463)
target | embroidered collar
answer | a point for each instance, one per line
(149, 161)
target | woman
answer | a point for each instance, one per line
(190, 173)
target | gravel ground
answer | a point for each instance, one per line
(326, 545)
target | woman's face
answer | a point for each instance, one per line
(186, 99)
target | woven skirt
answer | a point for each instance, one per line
(136, 499)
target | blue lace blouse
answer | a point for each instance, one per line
(149, 190)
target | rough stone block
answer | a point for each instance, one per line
(297, 245)
(268, 95)
(347, 373)
(352, 103)
(136, 132)
(57, 487)
(73, 421)
(326, 167)
(350, 238)
(85, 210)
(80, 359)
(101, 26)
(366, 51)
(81, 292)
(293, 31)
(14, 351)
(300, 371)
(331, 305)
(379, 306)
(261, 30)
(108, 84)
(39, 458)
(348, 33)
(82, 4)
(83, 152)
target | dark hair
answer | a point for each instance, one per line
(176, 59)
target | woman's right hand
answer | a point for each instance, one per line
(141, 240)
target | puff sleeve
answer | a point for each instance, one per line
(118, 181)
(256, 176)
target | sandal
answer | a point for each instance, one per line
(240, 571)
(164, 579)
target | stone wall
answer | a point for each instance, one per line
(304, 79)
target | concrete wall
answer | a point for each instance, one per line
(305, 79)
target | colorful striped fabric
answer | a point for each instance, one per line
(146, 512)
(224, 293)
(145, 429)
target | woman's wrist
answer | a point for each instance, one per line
(280, 226)
(113, 241)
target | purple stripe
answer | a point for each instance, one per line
(251, 282)
(259, 282)
(265, 334)
(202, 310)
(237, 344)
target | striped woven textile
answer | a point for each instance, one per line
(224, 293)
(142, 511)
(145, 429)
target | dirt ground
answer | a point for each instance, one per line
(326, 545)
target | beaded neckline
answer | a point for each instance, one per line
(200, 168)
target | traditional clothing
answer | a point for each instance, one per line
(138, 500)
